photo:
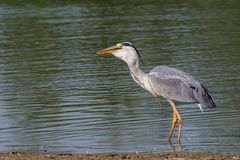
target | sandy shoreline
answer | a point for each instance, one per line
(119, 156)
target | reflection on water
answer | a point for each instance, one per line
(56, 94)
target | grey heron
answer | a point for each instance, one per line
(163, 81)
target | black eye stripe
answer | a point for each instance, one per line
(126, 44)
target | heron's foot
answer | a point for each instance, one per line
(181, 149)
(170, 143)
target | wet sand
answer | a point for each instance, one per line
(119, 156)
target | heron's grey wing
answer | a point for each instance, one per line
(178, 85)
(173, 84)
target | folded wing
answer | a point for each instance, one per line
(177, 85)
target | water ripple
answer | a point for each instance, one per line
(57, 94)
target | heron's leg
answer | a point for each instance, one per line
(179, 119)
(174, 120)
(180, 122)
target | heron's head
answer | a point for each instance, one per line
(124, 50)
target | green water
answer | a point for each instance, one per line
(57, 94)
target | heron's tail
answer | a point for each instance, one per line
(204, 97)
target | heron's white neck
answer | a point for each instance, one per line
(134, 67)
(138, 74)
(131, 58)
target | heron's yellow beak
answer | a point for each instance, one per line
(110, 49)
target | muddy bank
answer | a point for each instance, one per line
(119, 156)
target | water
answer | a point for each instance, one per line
(57, 94)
